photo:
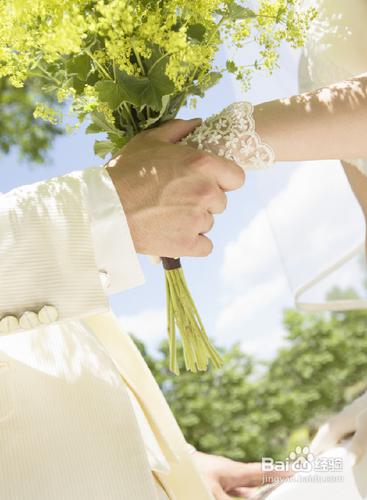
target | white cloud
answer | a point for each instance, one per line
(149, 325)
(314, 219)
(249, 303)
(252, 254)
(263, 347)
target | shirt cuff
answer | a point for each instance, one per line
(115, 254)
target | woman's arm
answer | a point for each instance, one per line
(329, 123)
(358, 182)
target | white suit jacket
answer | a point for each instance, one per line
(81, 417)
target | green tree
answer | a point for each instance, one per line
(19, 130)
(323, 367)
(248, 409)
(212, 407)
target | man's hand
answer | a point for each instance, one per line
(170, 192)
(229, 479)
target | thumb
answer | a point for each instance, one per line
(175, 130)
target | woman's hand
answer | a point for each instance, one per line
(229, 479)
(351, 420)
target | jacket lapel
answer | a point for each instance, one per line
(183, 481)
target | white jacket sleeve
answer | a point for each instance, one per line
(59, 241)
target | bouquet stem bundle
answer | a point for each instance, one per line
(182, 312)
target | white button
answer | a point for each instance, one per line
(29, 320)
(105, 279)
(48, 314)
(9, 324)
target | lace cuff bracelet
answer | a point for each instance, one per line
(231, 134)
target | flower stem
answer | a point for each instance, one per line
(99, 65)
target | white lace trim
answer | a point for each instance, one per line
(231, 134)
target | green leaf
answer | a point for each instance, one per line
(79, 66)
(231, 66)
(134, 88)
(196, 90)
(111, 93)
(78, 85)
(212, 79)
(156, 54)
(93, 128)
(236, 12)
(159, 84)
(173, 107)
(50, 88)
(196, 32)
(139, 91)
(103, 148)
(154, 120)
(281, 12)
(118, 140)
(100, 122)
(147, 90)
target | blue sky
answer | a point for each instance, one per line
(282, 227)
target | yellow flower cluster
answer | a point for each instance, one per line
(47, 30)
(38, 29)
(104, 55)
(47, 114)
(129, 32)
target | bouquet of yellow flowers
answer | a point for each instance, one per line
(128, 65)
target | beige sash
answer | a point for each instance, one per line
(183, 482)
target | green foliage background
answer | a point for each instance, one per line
(19, 131)
(248, 409)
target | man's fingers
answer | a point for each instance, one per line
(198, 192)
(219, 493)
(226, 173)
(202, 247)
(174, 130)
(207, 194)
(206, 224)
(247, 474)
(199, 222)
(243, 492)
(252, 475)
(223, 496)
(218, 203)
